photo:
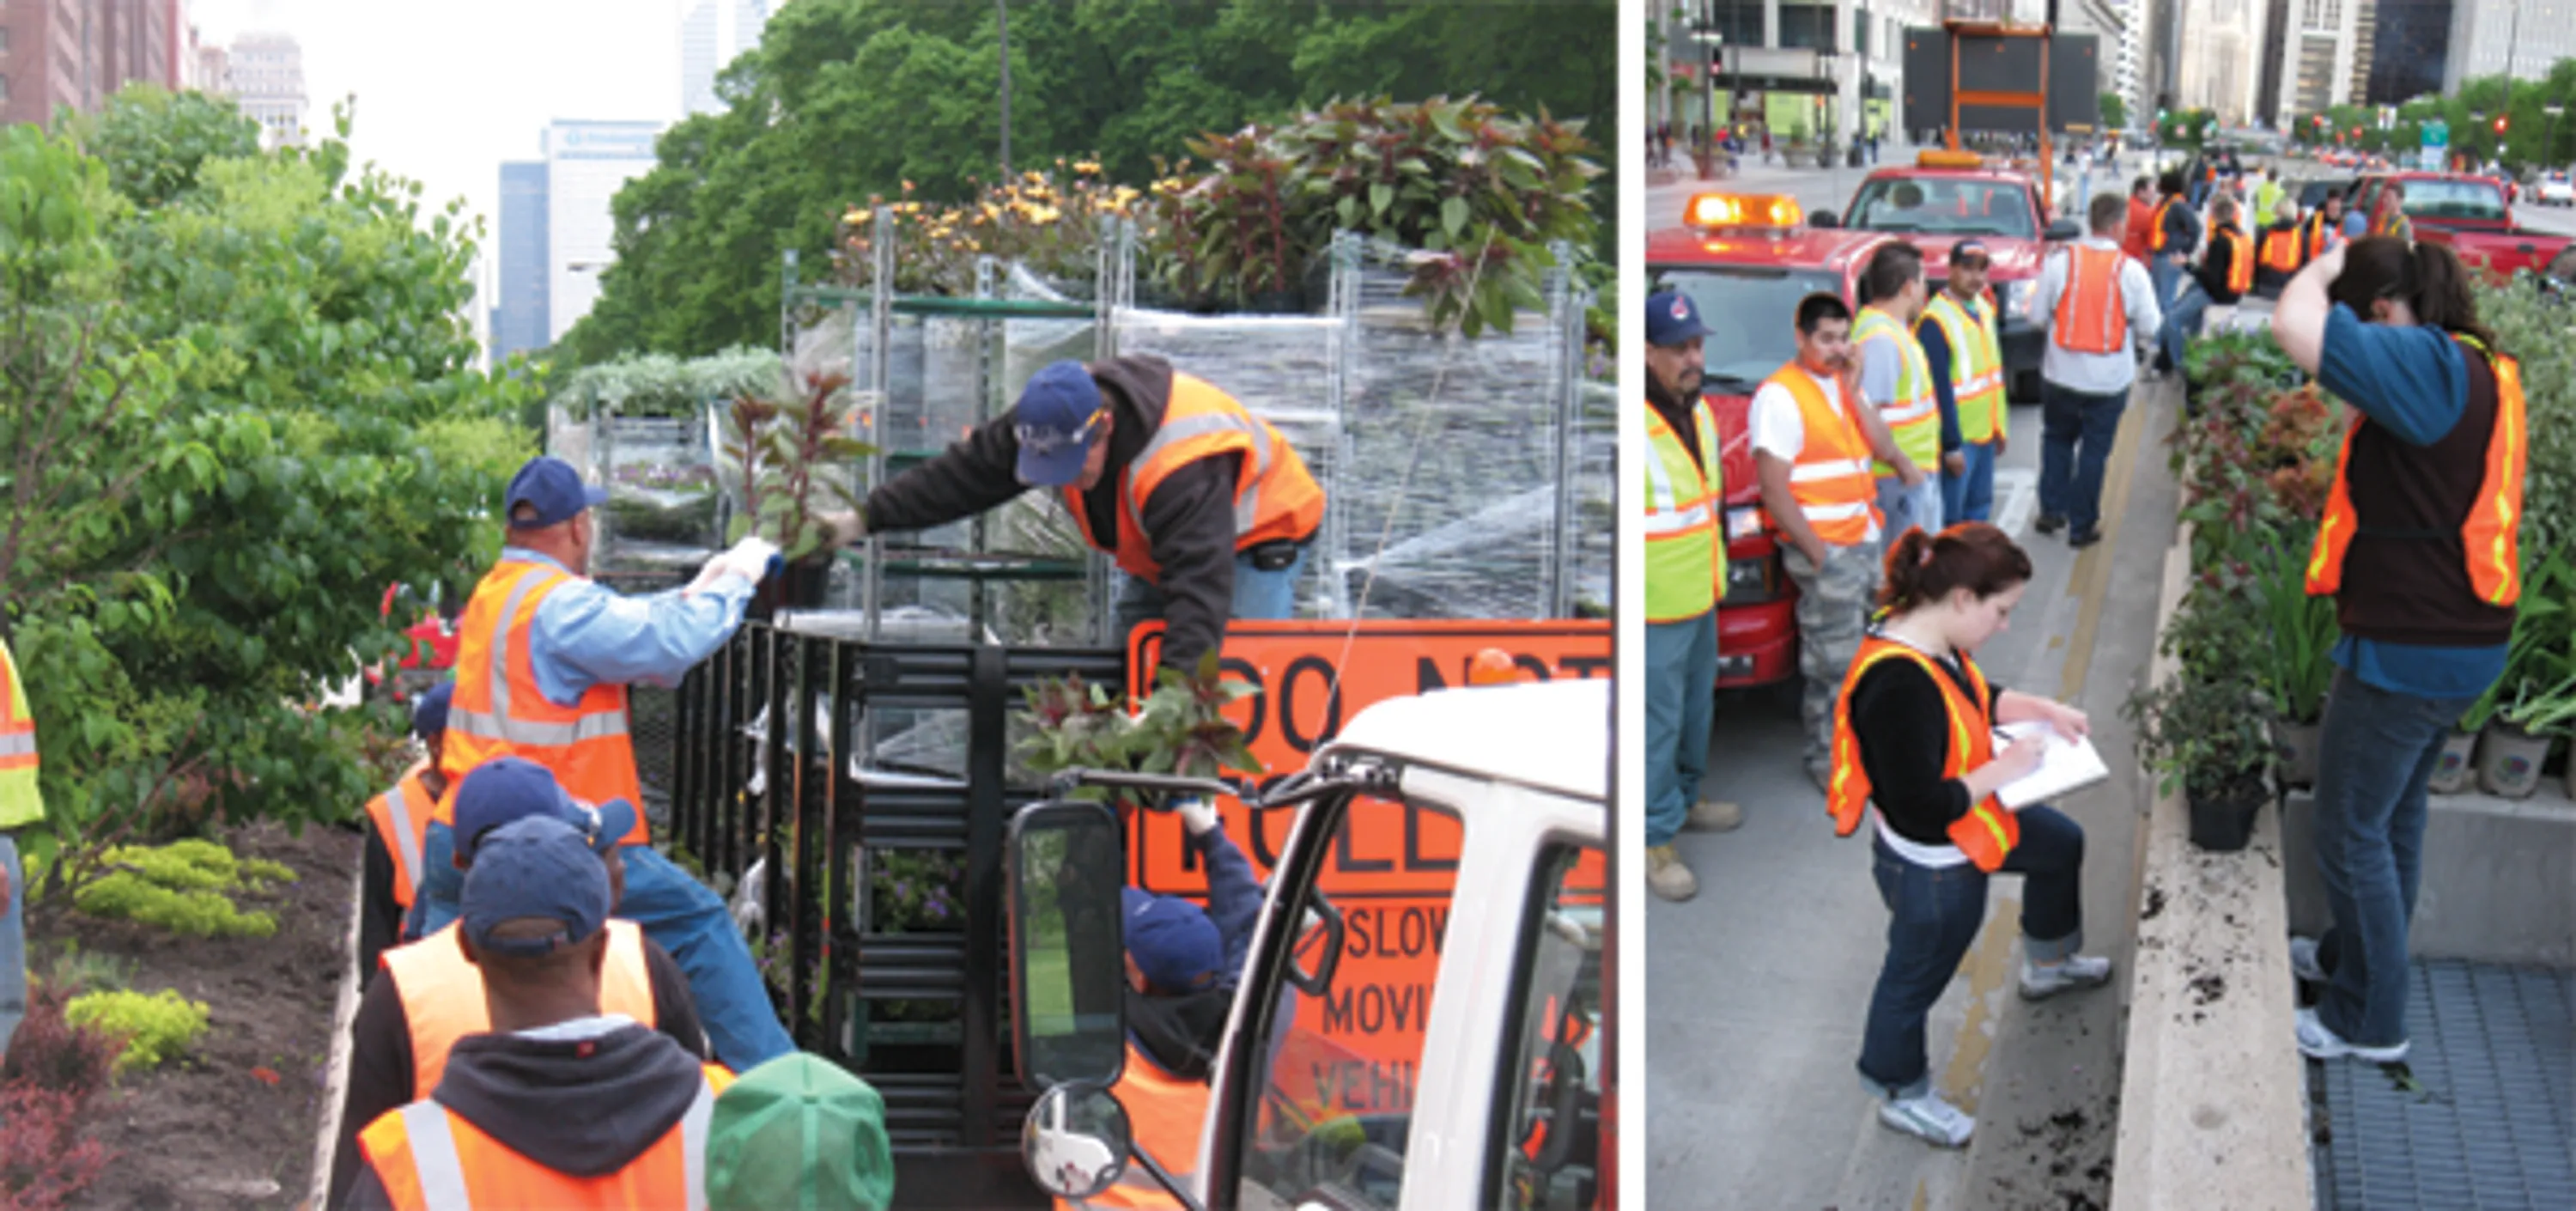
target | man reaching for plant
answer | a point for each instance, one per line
(20, 806)
(1207, 509)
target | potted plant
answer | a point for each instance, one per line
(2519, 741)
(2206, 738)
(1180, 730)
(2297, 663)
(2521, 714)
(785, 452)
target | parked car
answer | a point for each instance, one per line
(2555, 189)
(2469, 213)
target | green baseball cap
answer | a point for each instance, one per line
(798, 1132)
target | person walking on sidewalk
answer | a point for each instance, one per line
(2099, 307)
(2418, 547)
(1812, 444)
(1897, 384)
(2141, 219)
(1914, 750)
(2172, 237)
(1685, 572)
(1967, 364)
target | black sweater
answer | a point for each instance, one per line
(1902, 723)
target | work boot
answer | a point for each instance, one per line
(1667, 877)
(1927, 1117)
(2050, 523)
(2040, 981)
(1714, 816)
(2085, 537)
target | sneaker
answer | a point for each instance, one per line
(2040, 981)
(2085, 537)
(2303, 961)
(1928, 1118)
(1667, 877)
(2317, 1042)
(2050, 523)
(1714, 816)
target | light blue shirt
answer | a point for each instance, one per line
(587, 634)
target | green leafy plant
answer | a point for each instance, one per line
(658, 384)
(2296, 662)
(2534, 328)
(156, 1028)
(186, 887)
(785, 452)
(1046, 221)
(1180, 730)
(2205, 737)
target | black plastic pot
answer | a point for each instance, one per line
(801, 585)
(2295, 748)
(2223, 823)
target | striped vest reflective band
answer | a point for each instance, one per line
(20, 800)
(1274, 495)
(2092, 315)
(2156, 237)
(1914, 416)
(2240, 257)
(1166, 1116)
(401, 817)
(442, 994)
(2490, 529)
(1976, 365)
(431, 1159)
(1989, 830)
(498, 710)
(2281, 249)
(1685, 531)
(1831, 478)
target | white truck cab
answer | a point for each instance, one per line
(1420, 1021)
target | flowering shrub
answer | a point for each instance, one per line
(157, 1028)
(1047, 221)
(917, 891)
(53, 1070)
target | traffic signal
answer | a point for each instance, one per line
(2500, 123)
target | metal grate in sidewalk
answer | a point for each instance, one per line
(2487, 1121)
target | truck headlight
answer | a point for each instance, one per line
(2016, 297)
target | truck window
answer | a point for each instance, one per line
(2447, 199)
(1337, 1107)
(1544, 1154)
(1740, 355)
(1944, 206)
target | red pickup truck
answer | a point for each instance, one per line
(2469, 213)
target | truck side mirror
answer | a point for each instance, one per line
(1824, 219)
(2063, 231)
(1068, 974)
(1075, 1141)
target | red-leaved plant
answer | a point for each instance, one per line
(52, 1073)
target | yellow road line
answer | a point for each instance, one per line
(1988, 962)
(2093, 567)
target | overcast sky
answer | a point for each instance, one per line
(447, 90)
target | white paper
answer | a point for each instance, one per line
(2064, 765)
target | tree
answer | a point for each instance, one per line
(2115, 111)
(241, 403)
(851, 98)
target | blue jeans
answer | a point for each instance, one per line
(1258, 596)
(1970, 496)
(13, 945)
(2378, 749)
(1907, 507)
(1934, 916)
(675, 910)
(1681, 708)
(2076, 431)
(2184, 318)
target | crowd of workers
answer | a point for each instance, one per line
(553, 1012)
(1875, 449)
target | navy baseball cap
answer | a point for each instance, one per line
(1672, 318)
(507, 789)
(1970, 248)
(429, 711)
(534, 869)
(550, 484)
(1058, 418)
(1172, 940)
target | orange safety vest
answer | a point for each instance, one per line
(432, 1159)
(498, 711)
(2281, 249)
(401, 816)
(2489, 532)
(1989, 830)
(17, 722)
(2156, 225)
(1165, 1115)
(2092, 316)
(2240, 258)
(442, 994)
(1831, 478)
(1274, 495)
(2320, 232)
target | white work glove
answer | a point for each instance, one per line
(1198, 814)
(748, 559)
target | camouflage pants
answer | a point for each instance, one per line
(1833, 609)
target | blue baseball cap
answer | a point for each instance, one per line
(504, 790)
(1672, 318)
(550, 484)
(536, 868)
(1172, 941)
(429, 711)
(1057, 419)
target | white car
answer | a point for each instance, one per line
(2555, 189)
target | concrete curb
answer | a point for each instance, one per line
(2212, 1091)
(335, 1084)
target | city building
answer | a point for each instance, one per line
(265, 75)
(2219, 68)
(2409, 49)
(2121, 26)
(712, 33)
(75, 54)
(2521, 38)
(1803, 69)
(519, 294)
(2322, 62)
(205, 68)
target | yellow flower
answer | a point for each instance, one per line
(907, 187)
(1086, 167)
(1034, 177)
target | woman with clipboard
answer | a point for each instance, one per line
(1914, 737)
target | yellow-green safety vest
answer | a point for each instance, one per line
(20, 804)
(1914, 416)
(1976, 365)
(1685, 529)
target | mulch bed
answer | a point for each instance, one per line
(234, 1123)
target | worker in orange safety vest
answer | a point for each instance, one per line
(397, 828)
(21, 805)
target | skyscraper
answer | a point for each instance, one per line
(75, 54)
(2408, 50)
(712, 33)
(265, 73)
(519, 318)
(585, 163)
(2494, 37)
(2322, 62)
